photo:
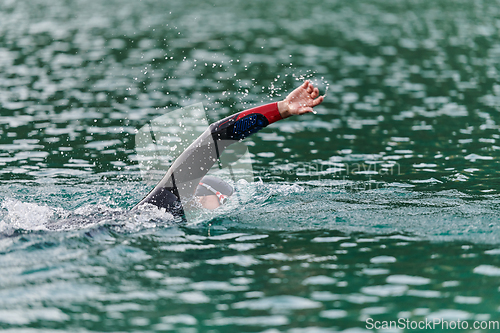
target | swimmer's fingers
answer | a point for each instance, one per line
(318, 101)
(309, 87)
(315, 93)
(309, 109)
(312, 104)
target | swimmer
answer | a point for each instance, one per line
(187, 175)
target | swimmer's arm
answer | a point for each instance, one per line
(300, 101)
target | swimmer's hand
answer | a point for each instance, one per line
(300, 101)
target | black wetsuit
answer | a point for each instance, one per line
(183, 177)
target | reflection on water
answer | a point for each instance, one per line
(383, 205)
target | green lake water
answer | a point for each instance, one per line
(381, 207)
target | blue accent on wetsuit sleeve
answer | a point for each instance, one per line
(249, 125)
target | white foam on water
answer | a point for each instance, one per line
(18, 215)
(25, 215)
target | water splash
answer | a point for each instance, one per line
(24, 216)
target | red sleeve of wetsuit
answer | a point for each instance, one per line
(270, 111)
